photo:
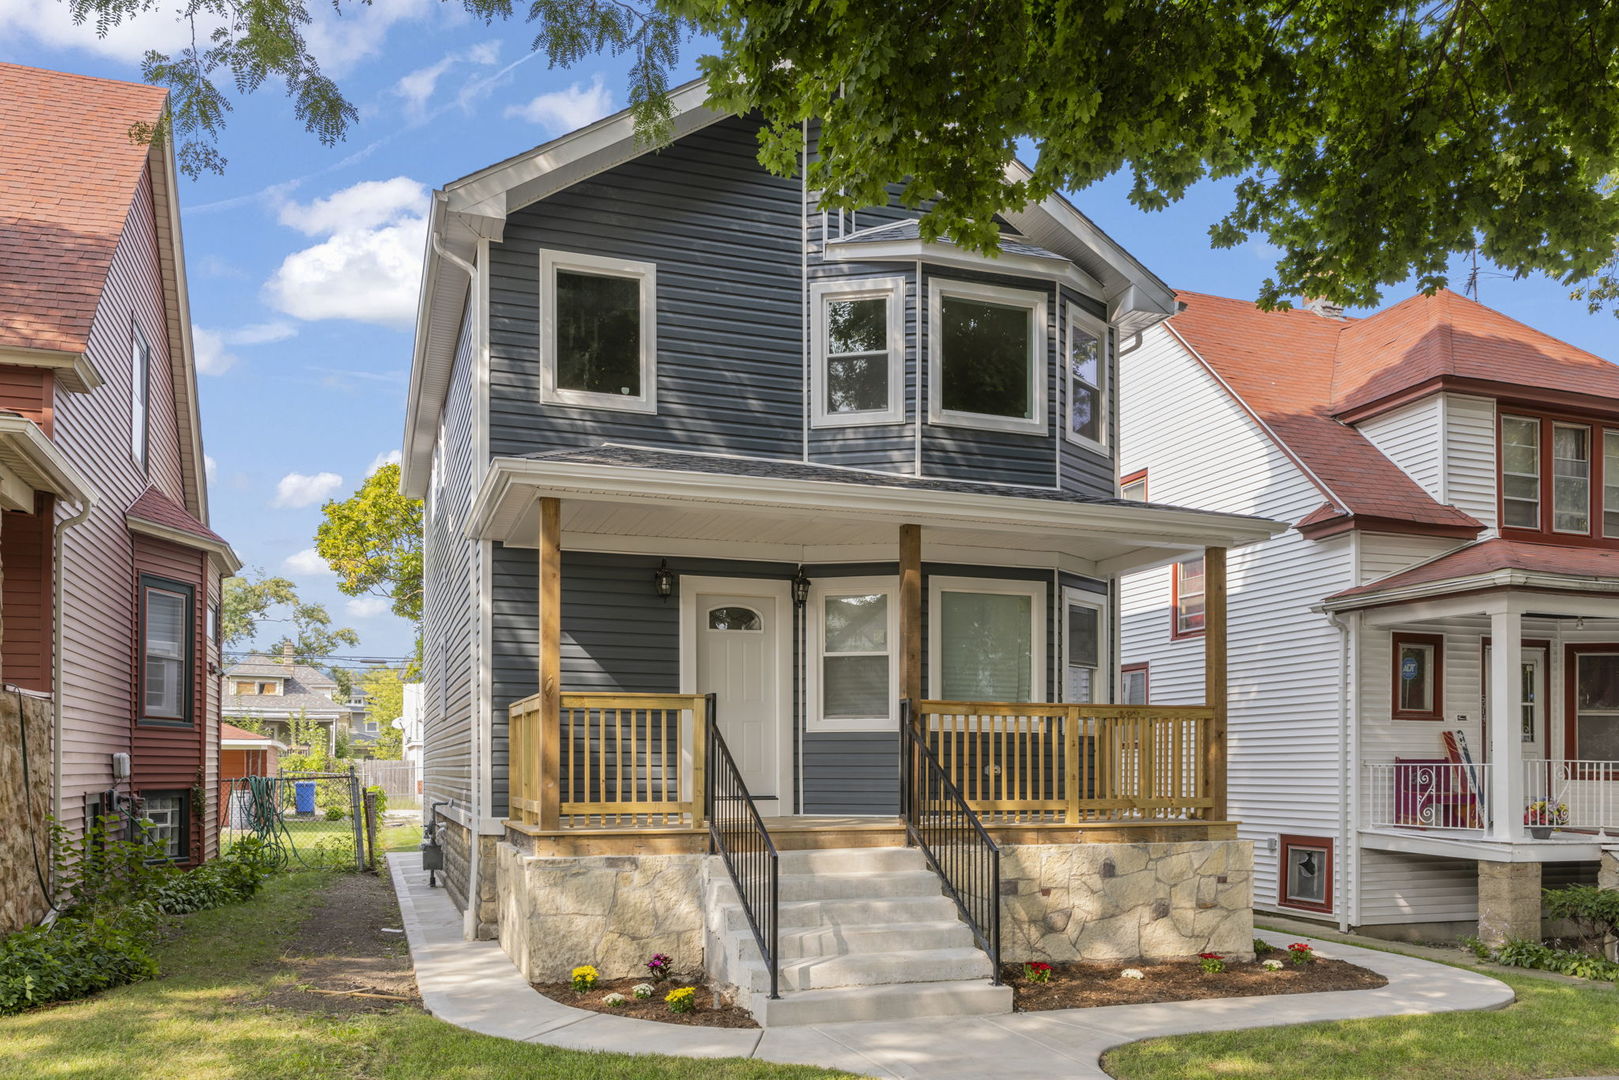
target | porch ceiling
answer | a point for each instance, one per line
(659, 502)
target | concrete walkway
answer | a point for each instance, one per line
(473, 985)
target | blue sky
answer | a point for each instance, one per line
(303, 259)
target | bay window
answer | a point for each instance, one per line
(1520, 472)
(987, 356)
(986, 641)
(1559, 478)
(166, 669)
(598, 344)
(1610, 484)
(1571, 478)
(1086, 374)
(854, 632)
(857, 340)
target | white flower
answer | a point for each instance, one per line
(615, 1000)
(1272, 965)
(642, 991)
(1132, 973)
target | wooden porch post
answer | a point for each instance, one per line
(1214, 677)
(910, 611)
(550, 663)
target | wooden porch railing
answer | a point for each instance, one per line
(628, 760)
(1021, 763)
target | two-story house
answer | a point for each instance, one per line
(294, 703)
(728, 499)
(1452, 478)
(111, 574)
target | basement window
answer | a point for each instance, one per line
(1305, 873)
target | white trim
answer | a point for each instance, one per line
(1051, 267)
(73, 371)
(891, 289)
(218, 550)
(646, 275)
(1097, 329)
(1071, 596)
(140, 399)
(822, 589)
(1035, 304)
(781, 592)
(939, 584)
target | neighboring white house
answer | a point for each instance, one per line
(1363, 763)
(410, 724)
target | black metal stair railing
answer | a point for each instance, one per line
(954, 841)
(737, 834)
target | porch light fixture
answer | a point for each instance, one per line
(663, 580)
(801, 588)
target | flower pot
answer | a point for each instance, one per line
(1540, 832)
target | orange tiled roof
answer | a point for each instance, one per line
(68, 172)
(1282, 365)
(1493, 555)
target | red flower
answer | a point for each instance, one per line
(1298, 946)
(1038, 966)
(1210, 956)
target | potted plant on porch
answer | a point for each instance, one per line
(1542, 816)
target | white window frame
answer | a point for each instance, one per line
(602, 266)
(891, 289)
(815, 614)
(938, 585)
(1075, 597)
(140, 398)
(1035, 303)
(1078, 317)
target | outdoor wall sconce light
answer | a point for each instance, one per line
(663, 580)
(801, 588)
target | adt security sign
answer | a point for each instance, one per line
(1408, 668)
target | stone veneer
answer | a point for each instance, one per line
(1509, 902)
(610, 911)
(1064, 902)
(25, 839)
(457, 868)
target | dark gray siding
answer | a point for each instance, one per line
(1083, 469)
(450, 610)
(726, 238)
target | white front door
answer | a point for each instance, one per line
(738, 632)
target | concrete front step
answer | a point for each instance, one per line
(800, 914)
(881, 885)
(852, 861)
(872, 969)
(855, 938)
(902, 1001)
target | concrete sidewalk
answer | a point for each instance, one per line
(473, 985)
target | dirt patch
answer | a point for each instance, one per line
(1085, 986)
(712, 1010)
(344, 950)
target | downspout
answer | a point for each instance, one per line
(1349, 804)
(58, 591)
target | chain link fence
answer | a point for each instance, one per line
(312, 821)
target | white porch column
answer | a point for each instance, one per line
(1506, 746)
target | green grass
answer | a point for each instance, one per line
(1554, 1029)
(199, 1020)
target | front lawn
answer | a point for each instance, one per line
(208, 1017)
(1554, 1029)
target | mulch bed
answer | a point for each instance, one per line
(711, 1010)
(1088, 985)
(350, 955)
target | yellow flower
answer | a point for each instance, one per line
(681, 1000)
(584, 977)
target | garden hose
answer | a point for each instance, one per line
(264, 820)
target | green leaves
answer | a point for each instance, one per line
(373, 540)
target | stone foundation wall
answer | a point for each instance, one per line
(610, 911)
(458, 867)
(25, 846)
(1063, 902)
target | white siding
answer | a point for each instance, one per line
(1382, 554)
(1401, 888)
(1470, 454)
(1412, 437)
(1285, 769)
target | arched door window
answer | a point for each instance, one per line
(734, 617)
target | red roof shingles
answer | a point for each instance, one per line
(1281, 364)
(68, 172)
(1490, 556)
(159, 509)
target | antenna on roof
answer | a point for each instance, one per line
(1471, 289)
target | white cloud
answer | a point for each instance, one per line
(367, 607)
(368, 268)
(417, 88)
(561, 111)
(210, 346)
(51, 25)
(387, 457)
(341, 38)
(210, 467)
(308, 563)
(296, 490)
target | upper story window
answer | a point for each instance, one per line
(1559, 478)
(140, 401)
(857, 339)
(598, 332)
(1188, 599)
(986, 356)
(1087, 380)
(256, 687)
(1134, 486)
(166, 624)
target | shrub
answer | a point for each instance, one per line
(71, 958)
(1594, 909)
(1261, 947)
(1532, 954)
(381, 798)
